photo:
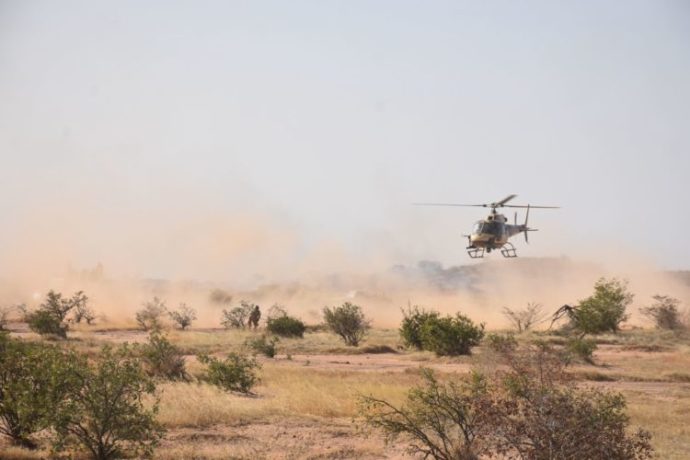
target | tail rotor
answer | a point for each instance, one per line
(525, 228)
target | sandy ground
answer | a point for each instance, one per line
(285, 438)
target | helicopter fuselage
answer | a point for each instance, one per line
(493, 232)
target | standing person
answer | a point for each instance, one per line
(254, 317)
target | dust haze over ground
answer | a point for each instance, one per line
(270, 266)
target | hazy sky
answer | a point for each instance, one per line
(148, 134)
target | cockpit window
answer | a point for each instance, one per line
(492, 228)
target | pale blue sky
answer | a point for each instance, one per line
(327, 119)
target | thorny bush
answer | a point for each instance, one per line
(530, 411)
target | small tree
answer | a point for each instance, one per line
(162, 359)
(664, 312)
(451, 335)
(604, 310)
(33, 380)
(347, 321)
(82, 310)
(184, 316)
(523, 320)
(51, 316)
(105, 412)
(414, 319)
(236, 318)
(149, 317)
(235, 373)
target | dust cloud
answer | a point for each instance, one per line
(251, 258)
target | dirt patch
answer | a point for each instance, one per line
(383, 362)
(285, 438)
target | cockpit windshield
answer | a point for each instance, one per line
(492, 228)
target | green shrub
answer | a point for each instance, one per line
(184, 316)
(582, 348)
(664, 312)
(347, 321)
(286, 326)
(105, 411)
(162, 359)
(51, 316)
(263, 345)
(451, 335)
(149, 317)
(604, 310)
(33, 380)
(235, 373)
(501, 343)
(411, 326)
(45, 323)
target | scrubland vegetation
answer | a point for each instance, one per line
(440, 385)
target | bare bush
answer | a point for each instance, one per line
(442, 421)
(238, 317)
(524, 320)
(664, 312)
(530, 411)
(82, 310)
(183, 316)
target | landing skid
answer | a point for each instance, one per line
(475, 253)
(508, 250)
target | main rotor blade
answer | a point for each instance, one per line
(504, 200)
(531, 206)
(450, 204)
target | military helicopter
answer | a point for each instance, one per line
(494, 231)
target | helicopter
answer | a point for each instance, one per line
(494, 231)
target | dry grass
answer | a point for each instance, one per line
(665, 415)
(306, 411)
(284, 392)
(222, 341)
